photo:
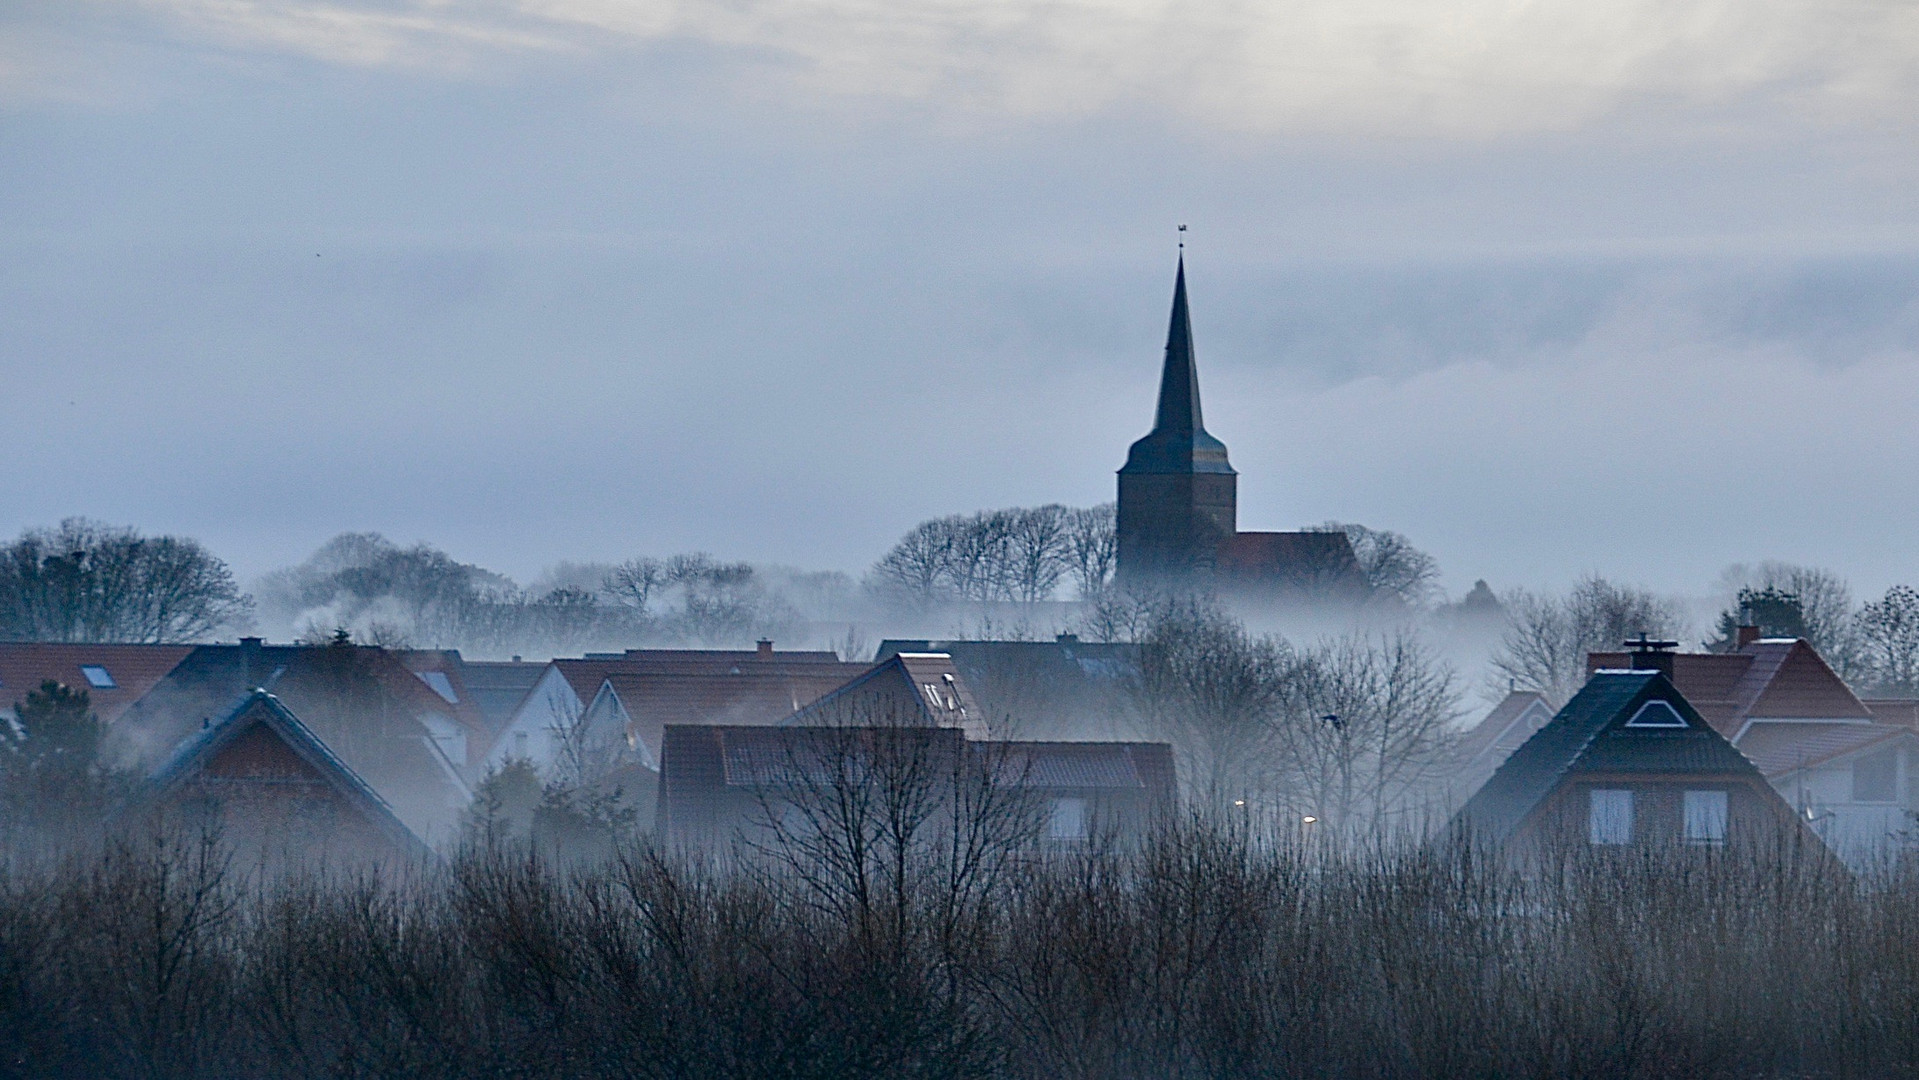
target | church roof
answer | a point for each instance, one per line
(1178, 442)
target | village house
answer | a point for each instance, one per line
(721, 785)
(390, 728)
(1845, 766)
(276, 792)
(719, 782)
(549, 717)
(1627, 762)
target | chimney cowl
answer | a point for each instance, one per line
(1650, 655)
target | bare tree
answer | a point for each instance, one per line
(1037, 551)
(1092, 545)
(1889, 640)
(917, 567)
(635, 582)
(86, 581)
(1214, 692)
(900, 831)
(1827, 618)
(1392, 565)
(1364, 731)
(1548, 638)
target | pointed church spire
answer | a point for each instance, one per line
(1179, 379)
(1179, 441)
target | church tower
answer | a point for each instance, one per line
(1178, 495)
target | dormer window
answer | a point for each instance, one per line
(98, 677)
(1657, 714)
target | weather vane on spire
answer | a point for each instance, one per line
(1182, 238)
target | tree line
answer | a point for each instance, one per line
(1207, 951)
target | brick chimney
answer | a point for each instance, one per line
(1746, 635)
(766, 648)
(1650, 655)
(249, 661)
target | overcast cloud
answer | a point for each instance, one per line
(1551, 287)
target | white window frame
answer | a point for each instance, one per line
(1705, 816)
(1609, 816)
(1660, 708)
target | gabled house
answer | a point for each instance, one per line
(1486, 745)
(276, 791)
(720, 784)
(392, 729)
(1628, 761)
(551, 713)
(1833, 757)
(114, 676)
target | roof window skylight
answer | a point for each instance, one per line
(97, 677)
(440, 684)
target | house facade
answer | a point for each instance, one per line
(1628, 762)
(550, 716)
(276, 792)
(723, 786)
(1844, 766)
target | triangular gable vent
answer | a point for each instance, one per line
(1657, 714)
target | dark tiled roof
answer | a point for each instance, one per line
(1588, 736)
(1903, 711)
(1086, 765)
(134, 670)
(497, 687)
(586, 675)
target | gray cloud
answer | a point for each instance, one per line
(572, 281)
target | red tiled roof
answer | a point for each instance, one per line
(1894, 711)
(1782, 748)
(586, 674)
(134, 670)
(1768, 679)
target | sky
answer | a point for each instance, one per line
(1551, 287)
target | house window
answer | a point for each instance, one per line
(1657, 714)
(1068, 820)
(97, 677)
(1875, 777)
(1705, 817)
(1609, 816)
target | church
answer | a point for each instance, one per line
(1179, 514)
